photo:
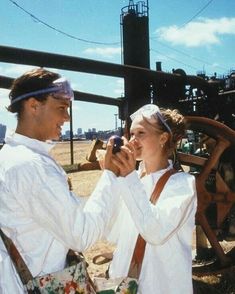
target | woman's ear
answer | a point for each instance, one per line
(164, 138)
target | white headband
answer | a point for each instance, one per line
(151, 111)
(60, 87)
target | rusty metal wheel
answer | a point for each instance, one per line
(222, 197)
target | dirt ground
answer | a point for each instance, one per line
(83, 184)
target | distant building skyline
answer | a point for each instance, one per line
(89, 134)
(2, 132)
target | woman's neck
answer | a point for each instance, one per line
(156, 165)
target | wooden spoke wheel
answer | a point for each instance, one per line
(222, 197)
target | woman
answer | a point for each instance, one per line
(167, 226)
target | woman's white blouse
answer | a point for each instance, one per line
(167, 228)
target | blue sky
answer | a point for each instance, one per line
(188, 34)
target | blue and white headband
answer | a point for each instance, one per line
(60, 89)
(151, 111)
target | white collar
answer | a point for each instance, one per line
(14, 138)
(156, 173)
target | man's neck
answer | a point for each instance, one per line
(26, 130)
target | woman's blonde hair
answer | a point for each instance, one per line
(175, 120)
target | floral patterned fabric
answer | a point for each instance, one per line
(112, 286)
(75, 280)
(72, 280)
(127, 286)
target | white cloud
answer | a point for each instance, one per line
(202, 32)
(15, 70)
(4, 100)
(120, 82)
(108, 52)
(119, 89)
(76, 107)
(215, 64)
(6, 118)
(119, 92)
(76, 86)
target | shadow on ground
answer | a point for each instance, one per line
(218, 284)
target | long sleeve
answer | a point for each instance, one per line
(39, 213)
(50, 204)
(167, 228)
(175, 207)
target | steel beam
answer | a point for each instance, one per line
(6, 82)
(65, 62)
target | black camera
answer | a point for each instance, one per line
(117, 143)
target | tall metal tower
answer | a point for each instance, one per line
(135, 48)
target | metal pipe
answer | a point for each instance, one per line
(71, 133)
(65, 62)
(6, 82)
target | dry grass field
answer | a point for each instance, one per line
(83, 184)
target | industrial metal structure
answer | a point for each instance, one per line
(199, 98)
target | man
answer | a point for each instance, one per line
(38, 212)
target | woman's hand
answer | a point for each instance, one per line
(107, 162)
(125, 160)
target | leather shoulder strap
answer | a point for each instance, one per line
(160, 185)
(138, 254)
(21, 267)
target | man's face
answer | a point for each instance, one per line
(50, 117)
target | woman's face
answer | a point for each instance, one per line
(146, 139)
